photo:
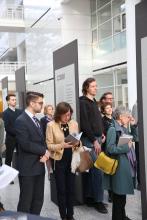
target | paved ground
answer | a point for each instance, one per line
(9, 196)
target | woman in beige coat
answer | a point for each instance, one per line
(61, 152)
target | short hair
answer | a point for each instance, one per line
(103, 97)
(32, 96)
(46, 107)
(86, 84)
(10, 95)
(121, 110)
(61, 109)
(103, 106)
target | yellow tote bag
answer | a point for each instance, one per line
(106, 164)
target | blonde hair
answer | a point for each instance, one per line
(46, 107)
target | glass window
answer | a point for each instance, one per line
(104, 14)
(93, 20)
(118, 6)
(101, 91)
(105, 79)
(105, 30)
(116, 25)
(94, 36)
(105, 46)
(120, 40)
(123, 21)
(93, 5)
(121, 76)
(101, 3)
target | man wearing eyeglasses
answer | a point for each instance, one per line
(32, 154)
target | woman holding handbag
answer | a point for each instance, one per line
(121, 182)
(61, 152)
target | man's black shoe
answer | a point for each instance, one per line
(12, 183)
(90, 202)
(100, 207)
(127, 218)
(71, 218)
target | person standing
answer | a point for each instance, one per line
(92, 128)
(1, 144)
(61, 152)
(32, 154)
(48, 116)
(107, 97)
(136, 139)
(1, 137)
(9, 117)
(121, 183)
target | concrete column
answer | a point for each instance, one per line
(131, 50)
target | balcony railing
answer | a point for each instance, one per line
(12, 13)
(9, 68)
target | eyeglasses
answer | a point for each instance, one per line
(40, 103)
(110, 98)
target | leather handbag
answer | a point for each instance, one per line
(106, 164)
(86, 161)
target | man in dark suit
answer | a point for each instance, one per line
(32, 154)
(9, 117)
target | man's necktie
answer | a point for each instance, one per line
(38, 125)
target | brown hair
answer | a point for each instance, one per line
(10, 95)
(46, 107)
(61, 109)
(86, 84)
(103, 97)
(32, 96)
(103, 106)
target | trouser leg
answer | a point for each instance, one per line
(118, 207)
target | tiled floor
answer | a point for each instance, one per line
(9, 196)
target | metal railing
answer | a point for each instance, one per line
(12, 13)
(8, 68)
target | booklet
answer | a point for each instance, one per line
(124, 139)
(7, 174)
(73, 138)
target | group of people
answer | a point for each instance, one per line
(39, 141)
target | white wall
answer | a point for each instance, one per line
(58, 27)
(131, 51)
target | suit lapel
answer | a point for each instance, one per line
(30, 121)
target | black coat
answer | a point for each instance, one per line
(90, 119)
(31, 145)
(44, 122)
(9, 117)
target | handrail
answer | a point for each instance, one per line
(14, 13)
(10, 67)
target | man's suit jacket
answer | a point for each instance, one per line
(31, 145)
(9, 118)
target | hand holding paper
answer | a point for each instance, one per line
(124, 139)
(73, 138)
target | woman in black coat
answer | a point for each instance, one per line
(48, 116)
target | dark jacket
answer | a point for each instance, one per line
(9, 117)
(107, 122)
(90, 119)
(31, 145)
(121, 182)
(44, 120)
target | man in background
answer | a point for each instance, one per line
(92, 137)
(9, 117)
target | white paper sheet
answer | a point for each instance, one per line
(124, 139)
(7, 174)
